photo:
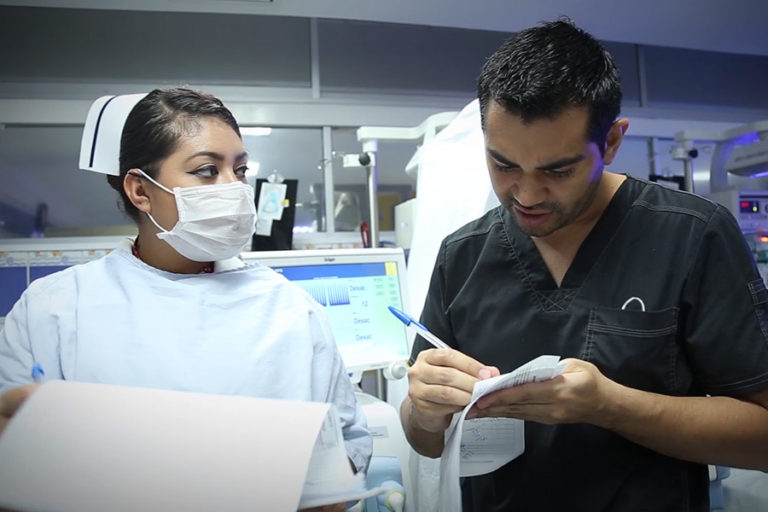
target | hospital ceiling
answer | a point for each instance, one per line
(736, 26)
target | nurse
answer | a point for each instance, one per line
(175, 308)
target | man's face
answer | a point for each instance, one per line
(545, 172)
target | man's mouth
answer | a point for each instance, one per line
(531, 215)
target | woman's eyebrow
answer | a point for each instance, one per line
(217, 156)
(211, 154)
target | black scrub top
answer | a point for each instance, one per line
(699, 327)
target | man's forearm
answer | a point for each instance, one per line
(709, 430)
(429, 444)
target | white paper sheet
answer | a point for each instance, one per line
(481, 445)
(271, 205)
(271, 200)
(86, 447)
(329, 476)
(263, 226)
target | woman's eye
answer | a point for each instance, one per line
(240, 171)
(208, 171)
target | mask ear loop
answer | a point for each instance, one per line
(147, 176)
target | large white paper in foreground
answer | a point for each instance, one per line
(87, 447)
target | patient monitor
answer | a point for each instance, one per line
(356, 286)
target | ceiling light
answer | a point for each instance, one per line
(256, 131)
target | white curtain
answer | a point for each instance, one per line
(452, 189)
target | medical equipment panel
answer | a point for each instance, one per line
(355, 286)
(750, 208)
(24, 260)
(14, 276)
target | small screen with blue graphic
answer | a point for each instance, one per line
(36, 272)
(13, 282)
(356, 297)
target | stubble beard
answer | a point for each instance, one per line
(561, 216)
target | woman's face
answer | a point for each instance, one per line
(211, 154)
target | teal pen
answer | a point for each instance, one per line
(409, 321)
(38, 374)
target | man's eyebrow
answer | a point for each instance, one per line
(501, 159)
(557, 164)
(563, 162)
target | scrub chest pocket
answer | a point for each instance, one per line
(635, 348)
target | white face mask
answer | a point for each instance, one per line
(215, 221)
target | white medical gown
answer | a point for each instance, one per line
(238, 331)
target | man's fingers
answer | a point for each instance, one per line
(442, 376)
(443, 399)
(448, 367)
(454, 359)
(441, 382)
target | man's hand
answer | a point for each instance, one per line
(577, 395)
(439, 384)
(11, 400)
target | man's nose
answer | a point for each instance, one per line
(528, 191)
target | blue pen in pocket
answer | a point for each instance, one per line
(38, 374)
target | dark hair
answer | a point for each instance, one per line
(153, 129)
(542, 71)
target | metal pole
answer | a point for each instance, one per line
(371, 172)
(688, 169)
(381, 385)
(651, 144)
(328, 187)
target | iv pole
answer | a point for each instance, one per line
(369, 136)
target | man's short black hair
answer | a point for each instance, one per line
(541, 71)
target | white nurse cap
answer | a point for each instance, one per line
(100, 146)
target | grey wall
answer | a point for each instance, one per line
(82, 53)
(83, 45)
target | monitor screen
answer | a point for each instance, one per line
(355, 286)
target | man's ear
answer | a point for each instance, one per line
(133, 186)
(614, 138)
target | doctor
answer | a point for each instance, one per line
(649, 293)
(175, 308)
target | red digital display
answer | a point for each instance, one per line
(749, 206)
